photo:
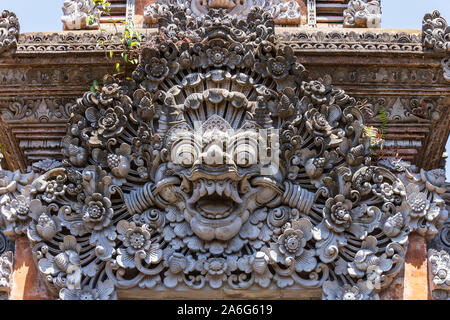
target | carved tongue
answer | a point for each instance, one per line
(215, 207)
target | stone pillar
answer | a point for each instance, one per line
(26, 283)
(416, 269)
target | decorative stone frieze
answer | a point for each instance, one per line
(38, 110)
(9, 33)
(75, 13)
(363, 14)
(283, 12)
(346, 40)
(6, 270)
(436, 32)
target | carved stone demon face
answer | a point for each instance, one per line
(215, 163)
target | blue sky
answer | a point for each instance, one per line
(45, 15)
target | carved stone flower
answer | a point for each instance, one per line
(278, 67)
(338, 213)
(109, 93)
(15, 213)
(216, 270)
(317, 123)
(136, 239)
(361, 291)
(53, 190)
(103, 291)
(119, 163)
(217, 56)
(178, 264)
(291, 245)
(112, 122)
(418, 204)
(97, 212)
(157, 69)
(366, 261)
(18, 208)
(64, 263)
(74, 186)
(315, 90)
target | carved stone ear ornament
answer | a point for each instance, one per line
(436, 38)
(164, 183)
(9, 32)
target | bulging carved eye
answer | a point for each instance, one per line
(245, 153)
(185, 153)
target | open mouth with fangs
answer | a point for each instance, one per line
(215, 209)
(215, 206)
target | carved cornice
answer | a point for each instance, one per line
(436, 33)
(9, 33)
(352, 41)
(363, 14)
(303, 40)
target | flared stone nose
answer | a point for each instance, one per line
(214, 156)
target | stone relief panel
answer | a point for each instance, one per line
(220, 165)
(9, 32)
(440, 273)
(38, 110)
(363, 14)
(283, 12)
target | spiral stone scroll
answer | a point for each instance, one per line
(219, 165)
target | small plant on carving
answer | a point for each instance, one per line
(129, 37)
(376, 137)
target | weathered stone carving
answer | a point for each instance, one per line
(446, 68)
(363, 14)
(351, 41)
(440, 267)
(38, 110)
(283, 12)
(6, 270)
(9, 33)
(436, 32)
(75, 13)
(221, 164)
(440, 273)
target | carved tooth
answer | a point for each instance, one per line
(220, 186)
(211, 187)
(227, 189)
(202, 187)
(235, 195)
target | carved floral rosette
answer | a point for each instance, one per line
(144, 198)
